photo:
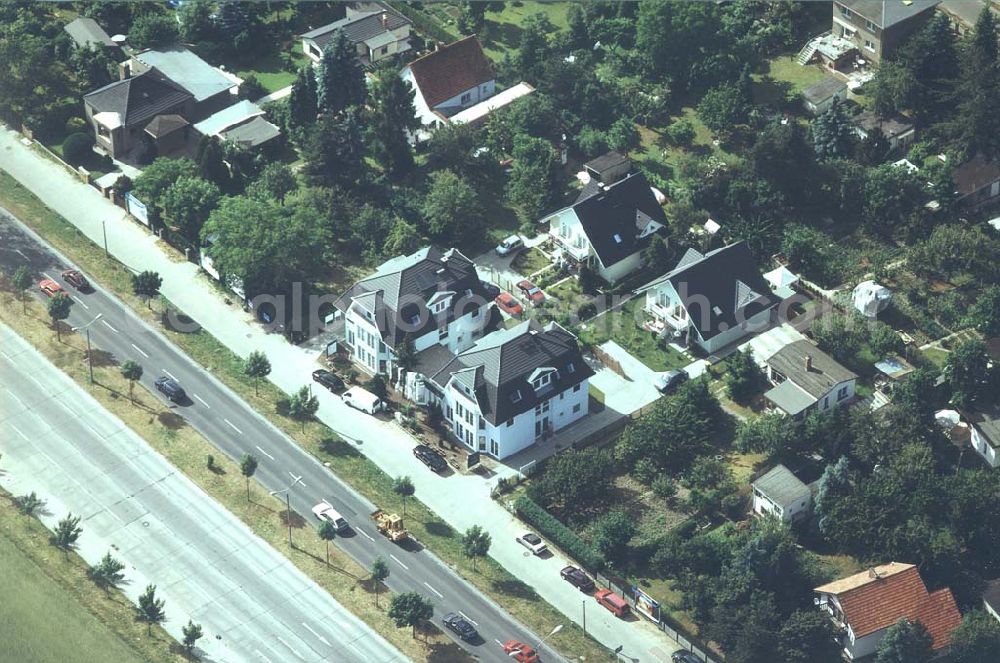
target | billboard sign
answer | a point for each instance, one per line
(645, 604)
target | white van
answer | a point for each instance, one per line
(361, 399)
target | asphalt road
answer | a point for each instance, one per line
(235, 429)
(252, 603)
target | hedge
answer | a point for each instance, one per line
(559, 534)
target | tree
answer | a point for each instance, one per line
(146, 285)
(410, 609)
(302, 103)
(976, 126)
(403, 487)
(153, 30)
(472, 18)
(984, 313)
(770, 434)
(277, 180)
(131, 371)
(188, 202)
(623, 136)
(339, 80)
(533, 47)
(77, 147)
(156, 178)
(211, 160)
(891, 195)
(403, 239)
(192, 633)
(108, 572)
(832, 133)
(251, 89)
(904, 642)
(476, 543)
(976, 639)
(327, 531)
(892, 87)
(30, 503)
(612, 533)
(452, 208)
(195, 18)
(391, 117)
(744, 377)
(334, 151)
(302, 406)
(59, 308)
(533, 180)
(883, 339)
(839, 334)
(379, 574)
(21, 281)
(574, 479)
(255, 367)
(723, 108)
(248, 466)
(873, 148)
(833, 486)
(808, 636)
(67, 532)
(150, 609)
(968, 371)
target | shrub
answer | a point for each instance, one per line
(664, 487)
(559, 534)
(587, 311)
(645, 471)
(76, 149)
(75, 125)
(680, 133)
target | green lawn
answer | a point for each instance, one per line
(623, 328)
(529, 261)
(784, 76)
(503, 30)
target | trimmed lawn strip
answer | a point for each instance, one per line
(352, 467)
(622, 327)
(529, 261)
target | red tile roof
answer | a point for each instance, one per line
(872, 602)
(451, 70)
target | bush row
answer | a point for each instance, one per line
(559, 534)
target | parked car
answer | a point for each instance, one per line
(461, 626)
(506, 303)
(684, 656)
(509, 245)
(531, 291)
(532, 542)
(577, 578)
(170, 389)
(324, 511)
(49, 287)
(430, 458)
(492, 291)
(616, 604)
(670, 380)
(76, 279)
(520, 652)
(328, 379)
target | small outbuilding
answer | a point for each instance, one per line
(818, 98)
(781, 281)
(870, 298)
(781, 494)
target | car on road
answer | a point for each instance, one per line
(520, 652)
(506, 303)
(49, 287)
(509, 245)
(670, 380)
(531, 291)
(169, 388)
(492, 291)
(577, 578)
(430, 458)
(614, 603)
(324, 511)
(461, 626)
(328, 379)
(532, 542)
(684, 656)
(76, 279)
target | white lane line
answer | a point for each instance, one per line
(92, 429)
(7, 356)
(297, 479)
(265, 453)
(399, 562)
(14, 396)
(469, 619)
(170, 375)
(139, 351)
(318, 636)
(202, 401)
(282, 641)
(440, 595)
(21, 253)
(365, 534)
(109, 326)
(80, 302)
(35, 380)
(18, 431)
(261, 654)
(46, 275)
(233, 426)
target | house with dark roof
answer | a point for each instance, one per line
(608, 226)
(85, 32)
(120, 112)
(377, 31)
(711, 300)
(608, 168)
(863, 606)
(898, 130)
(977, 181)
(984, 431)
(781, 494)
(211, 88)
(818, 97)
(877, 27)
(805, 377)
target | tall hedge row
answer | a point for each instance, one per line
(559, 534)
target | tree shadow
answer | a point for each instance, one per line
(217, 470)
(338, 448)
(515, 588)
(292, 518)
(322, 560)
(507, 34)
(171, 420)
(439, 528)
(179, 322)
(101, 358)
(448, 652)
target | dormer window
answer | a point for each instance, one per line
(542, 380)
(570, 368)
(516, 396)
(618, 238)
(439, 307)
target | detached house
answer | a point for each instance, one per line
(977, 181)
(805, 377)
(864, 605)
(781, 494)
(985, 431)
(377, 32)
(608, 226)
(877, 27)
(711, 300)
(211, 88)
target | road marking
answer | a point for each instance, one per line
(231, 425)
(21, 253)
(282, 641)
(399, 562)
(440, 595)
(109, 326)
(297, 479)
(320, 637)
(18, 431)
(469, 619)
(261, 654)
(202, 401)
(46, 275)
(35, 380)
(80, 302)
(265, 453)
(92, 429)
(9, 358)
(366, 535)
(170, 375)
(14, 396)
(139, 351)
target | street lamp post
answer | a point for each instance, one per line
(288, 504)
(551, 633)
(104, 230)
(584, 617)
(90, 356)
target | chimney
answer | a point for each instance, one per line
(809, 367)
(125, 70)
(873, 574)
(384, 18)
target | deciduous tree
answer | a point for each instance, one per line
(302, 406)
(452, 208)
(255, 367)
(476, 543)
(248, 467)
(533, 179)
(410, 609)
(146, 285)
(277, 180)
(131, 371)
(59, 307)
(188, 202)
(976, 639)
(21, 282)
(328, 532)
(379, 574)
(403, 487)
(905, 642)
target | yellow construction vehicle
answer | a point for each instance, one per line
(390, 525)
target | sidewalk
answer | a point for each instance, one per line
(380, 441)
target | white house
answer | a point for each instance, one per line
(711, 300)
(376, 30)
(865, 605)
(450, 79)
(425, 299)
(805, 377)
(985, 432)
(781, 494)
(608, 226)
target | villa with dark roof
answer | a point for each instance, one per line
(376, 30)
(608, 226)
(877, 27)
(711, 300)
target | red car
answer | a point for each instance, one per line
(49, 287)
(524, 653)
(76, 279)
(531, 291)
(506, 303)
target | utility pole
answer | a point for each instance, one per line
(90, 355)
(584, 617)
(104, 230)
(288, 503)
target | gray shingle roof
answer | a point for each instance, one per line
(890, 126)
(253, 133)
(187, 70)
(790, 398)
(358, 28)
(887, 13)
(824, 89)
(86, 31)
(782, 487)
(137, 99)
(818, 380)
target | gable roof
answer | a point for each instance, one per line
(137, 99)
(611, 216)
(824, 372)
(187, 70)
(710, 286)
(975, 174)
(84, 31)
(229, 116)
(612, 159)
(887, 13)
(360, 27)
(824, 89)
(986, 418)
(892, 126)
(497, 368)
(451, 70)
(876, 599)
(781, 486)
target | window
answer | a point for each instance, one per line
(869, 44)
(383, 50)
(449, 414)
(870, 25)
(442, 333)
(467, 97)
(826, 403)
(460, 410)
(570, 368)
(494, 448)
(845, 12)
(618, 238)
(475, 312)
(439, 306)
(542, 408)
(516, 396)
(542, 381)
(576, 408)
(486, 89)
(576, 388)
(842, 393)
(562, 395)
(468, 418)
